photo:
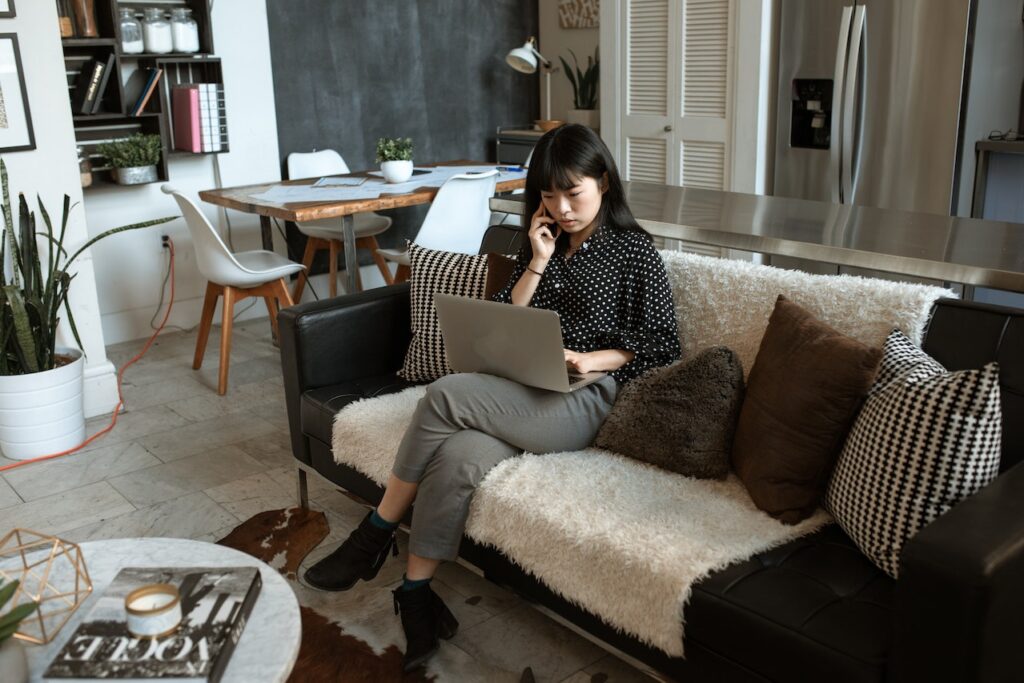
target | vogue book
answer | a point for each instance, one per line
(215, 604)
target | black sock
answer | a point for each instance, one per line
(412, 584)
(380, 522)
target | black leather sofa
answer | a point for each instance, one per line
(813, 610)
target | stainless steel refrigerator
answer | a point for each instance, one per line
(880, 102)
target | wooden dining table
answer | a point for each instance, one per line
(241, 199)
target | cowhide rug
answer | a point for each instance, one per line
(352, 636)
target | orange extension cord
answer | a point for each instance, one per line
(120, 396)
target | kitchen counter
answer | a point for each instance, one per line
(951, 249)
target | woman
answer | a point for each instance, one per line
(587, 259)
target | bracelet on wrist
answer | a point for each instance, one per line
(538, 273)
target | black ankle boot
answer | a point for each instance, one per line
(425, 618)
(359, 557)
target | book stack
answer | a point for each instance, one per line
(91, 84)
(199, 117)
(152, 78)
(215, 604)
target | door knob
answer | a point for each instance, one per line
(668, 129)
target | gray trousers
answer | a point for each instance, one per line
(468, 423)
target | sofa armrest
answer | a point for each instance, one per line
(960, 595)
(338, 340)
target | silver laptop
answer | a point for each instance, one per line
(516, 342)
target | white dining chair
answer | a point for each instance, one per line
(514, 219)
(232, 276)
(327, 234)
(456, 220)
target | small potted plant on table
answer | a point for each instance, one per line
(395, 157)
(134, 159)
(584, 91)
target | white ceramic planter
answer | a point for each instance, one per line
(42, 413)
(396, 171)
(587, 117)
(13, 664)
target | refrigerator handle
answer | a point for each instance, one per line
(849, 99)
(835, 144)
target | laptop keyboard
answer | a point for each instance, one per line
(573, 379)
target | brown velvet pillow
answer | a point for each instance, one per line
(803, 393)
(499, 270)
(682, 417)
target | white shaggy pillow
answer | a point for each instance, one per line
(724, 302)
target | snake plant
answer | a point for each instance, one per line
(584, 83)
(9, 622)
(34, 286)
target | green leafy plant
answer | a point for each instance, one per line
(394, 149)
(137, 150)
(584, 83)
(9, 622)
(32, 291)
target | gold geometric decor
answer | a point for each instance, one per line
(52, 573)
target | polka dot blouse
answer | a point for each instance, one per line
(613, 293)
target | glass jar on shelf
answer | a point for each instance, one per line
(131, 32)
(184, 30)
(84, 167)
(156, 32)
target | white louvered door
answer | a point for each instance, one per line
(672, 99)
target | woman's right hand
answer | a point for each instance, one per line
(541, 239)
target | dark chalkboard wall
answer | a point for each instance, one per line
(347, 72)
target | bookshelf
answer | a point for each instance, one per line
(112, 118)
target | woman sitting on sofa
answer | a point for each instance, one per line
(587, 259)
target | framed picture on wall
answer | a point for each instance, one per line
(15, 119)
(6, 9)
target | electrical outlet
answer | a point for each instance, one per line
(165, 241)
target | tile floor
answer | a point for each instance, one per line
(184, 462)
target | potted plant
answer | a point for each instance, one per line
(13, 665)
(134, 159)
(40, 384)
(395, 158)
(584, 91)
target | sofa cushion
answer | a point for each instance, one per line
(433, 272)
(319, 406)
(925, 440)
(680, 418)
(814, 609)
(804, 391)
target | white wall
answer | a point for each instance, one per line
(51, 170)
(131, 267)
(555, 42)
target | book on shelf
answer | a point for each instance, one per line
(215, 604)
(84, 94)
(186, 120)
(104, 81)
(147, 90)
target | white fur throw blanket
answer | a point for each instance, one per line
(624, 540)
(724, 302)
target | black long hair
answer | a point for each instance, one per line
(564, 156)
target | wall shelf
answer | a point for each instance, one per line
(128, 78)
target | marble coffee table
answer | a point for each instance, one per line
(270, 642)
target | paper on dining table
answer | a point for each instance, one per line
(290, 194)
(343, 181)
(439, 175)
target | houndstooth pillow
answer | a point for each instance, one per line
(436, 271)
(924, 440)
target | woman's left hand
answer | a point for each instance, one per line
(579, 362)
